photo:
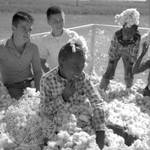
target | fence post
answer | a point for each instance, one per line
(92, 50)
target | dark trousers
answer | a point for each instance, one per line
(146, 91)
(110, 72)
(16, 89)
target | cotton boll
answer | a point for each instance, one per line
(63, 137)
(139, 145)
(136, 131)
(77, 129)
(22, 119)
(69, 144)
(6, 142)
(84, 118)
(31, 92)
(51, 145)
(81, 140)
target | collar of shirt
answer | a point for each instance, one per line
(124, 43)
(10, 45)
(57, 38)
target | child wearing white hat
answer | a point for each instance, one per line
(124, 44)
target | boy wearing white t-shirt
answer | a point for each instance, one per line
(50, 44)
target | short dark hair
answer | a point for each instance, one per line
(67, 51)
(53, 10)
(21, 16)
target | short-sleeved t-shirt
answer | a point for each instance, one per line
(49, 46)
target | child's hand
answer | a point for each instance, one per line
(69, 90)
(100, 139)
(144, 48)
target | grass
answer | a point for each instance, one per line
(84, 7)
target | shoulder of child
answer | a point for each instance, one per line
(50, 75)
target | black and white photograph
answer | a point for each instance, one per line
(74, 74)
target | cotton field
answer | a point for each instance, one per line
(127, 111)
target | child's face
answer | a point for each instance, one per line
(56, 22)
(22, 31)
(128, 33)
(73, 67)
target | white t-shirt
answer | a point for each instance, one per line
(49, 46)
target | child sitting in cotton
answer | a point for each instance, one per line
(69, 84)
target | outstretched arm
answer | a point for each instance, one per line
(36, 66)
(98, 113)
(138, 66)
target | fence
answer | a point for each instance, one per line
(98, 37)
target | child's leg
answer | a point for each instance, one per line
(128, 77)
(109, 74)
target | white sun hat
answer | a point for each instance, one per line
(128, 17)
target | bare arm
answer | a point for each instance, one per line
(97, 104)
(138, 66)
(98, 113)
(36, 66)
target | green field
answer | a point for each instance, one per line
(70, 6)
(40, 24)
